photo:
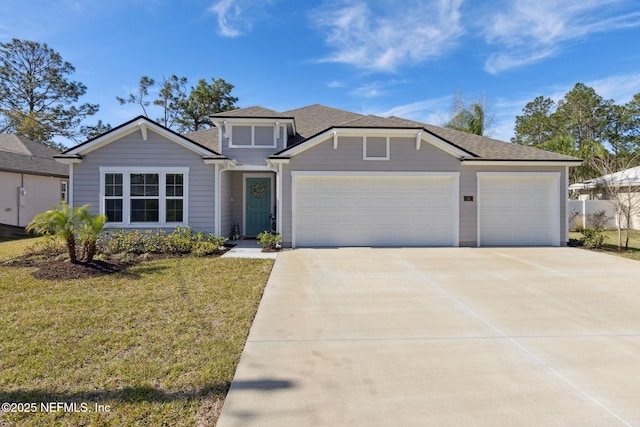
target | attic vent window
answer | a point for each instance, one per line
(375, 148)
(254, 136)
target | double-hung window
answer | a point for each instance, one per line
(144, 196)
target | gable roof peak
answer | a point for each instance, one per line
(255, 111)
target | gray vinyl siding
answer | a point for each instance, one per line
(252, 155)
(157, 151)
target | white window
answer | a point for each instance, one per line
(144, 196)
(253, 136)
(375, 148)
(64, 191)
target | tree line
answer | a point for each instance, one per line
(585, 125)
(39, 100)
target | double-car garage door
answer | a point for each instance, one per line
(413, 209)
(376, 210)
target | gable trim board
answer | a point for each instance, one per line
(518, 208)
(420, 134)
(141, 124)
(424, 209)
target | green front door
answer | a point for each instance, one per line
(258, 206)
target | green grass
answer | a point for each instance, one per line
(159, 343)
(611, 243)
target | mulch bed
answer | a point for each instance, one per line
(61, 269)
(53, 269)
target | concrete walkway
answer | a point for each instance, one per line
(248, 248)
(443, 337)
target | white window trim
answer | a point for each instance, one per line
(126, 198)
(64, 184)
(253, 137)
(364, 150)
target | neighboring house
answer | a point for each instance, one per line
(627, 185)
(31, 181)
(325, 177)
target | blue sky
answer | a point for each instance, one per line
(385, 57)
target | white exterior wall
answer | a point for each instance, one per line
(42, 194)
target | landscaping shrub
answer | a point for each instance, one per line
(180, 241)
(269, 239)
(49, 245)
(593, 236)
(204, 248)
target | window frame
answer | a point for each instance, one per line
(276, 129)
(64, 191)
(364, 149)
(162, 198)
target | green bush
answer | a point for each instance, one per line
(593, 236)
(204, 248)
(48, 245)
(180, 241)
(269, 239)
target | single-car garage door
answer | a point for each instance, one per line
(375, 209)
(516, 209)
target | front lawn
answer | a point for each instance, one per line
(611, 243)
(157, 344)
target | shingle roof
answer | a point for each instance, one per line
(252, 112)
(207, 138)
(21, 155)
(492, 149)
(315, 119)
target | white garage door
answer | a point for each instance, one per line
(518, 210)
(375, 210)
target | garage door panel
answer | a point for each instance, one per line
(374, 211)
(518, 211)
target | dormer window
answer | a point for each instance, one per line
(253, 136)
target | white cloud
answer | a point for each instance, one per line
(528, 31)
(236, 17)
(335, 84)
(380, 35)
(620, 88)
(432, 111)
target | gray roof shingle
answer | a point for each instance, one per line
(256, 112)
(315, 119)
(21, 155)
(207, 138)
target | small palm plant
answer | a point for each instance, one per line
(62, 222)
(65, 222)
(90, 228)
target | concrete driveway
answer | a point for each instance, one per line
(443, 336)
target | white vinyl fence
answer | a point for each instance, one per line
(584, 208)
